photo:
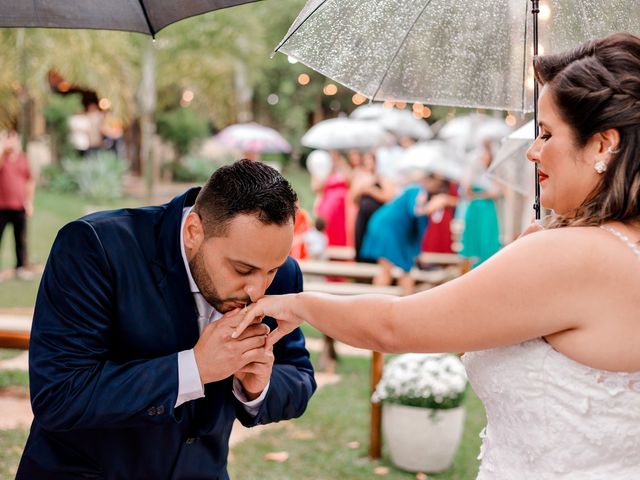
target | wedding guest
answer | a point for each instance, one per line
(481, 235)
(395, 230)
(551, 321)
(369, 191)
(332, 192)
(16, 199)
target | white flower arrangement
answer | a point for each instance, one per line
(436, 381)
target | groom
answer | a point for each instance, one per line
(133, 370)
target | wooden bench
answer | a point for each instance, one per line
(348, 288)
(367, 271)
(424, 259)
(15, 332)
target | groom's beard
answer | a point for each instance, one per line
(208, 289)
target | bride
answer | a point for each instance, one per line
(551, 322)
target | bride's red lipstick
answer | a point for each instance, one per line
(542, 176)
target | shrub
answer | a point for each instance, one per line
(97, 177)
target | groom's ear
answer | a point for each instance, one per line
(192, 234)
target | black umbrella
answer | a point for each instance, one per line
(143, 16)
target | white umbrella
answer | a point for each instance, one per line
(469, 131)
(252, 137)
(432, 157)
(344, 134)
(319, 164)
(400, 122)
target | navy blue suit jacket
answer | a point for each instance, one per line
(113, 310)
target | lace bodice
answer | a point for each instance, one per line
(549, 417)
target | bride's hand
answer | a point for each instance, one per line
(534, 226)
(274, 306)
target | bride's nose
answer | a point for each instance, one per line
(533, 152)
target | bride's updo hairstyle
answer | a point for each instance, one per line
(596, 86)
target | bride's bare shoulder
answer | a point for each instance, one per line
(582, 248)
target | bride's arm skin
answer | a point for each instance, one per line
(542, 284)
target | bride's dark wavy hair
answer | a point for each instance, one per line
(596, 86)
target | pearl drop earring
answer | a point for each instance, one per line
(600, 167)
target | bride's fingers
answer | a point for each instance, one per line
(252, 314)
(274, 336)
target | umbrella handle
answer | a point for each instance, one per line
(535, 9)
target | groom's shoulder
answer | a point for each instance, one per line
(288, 279)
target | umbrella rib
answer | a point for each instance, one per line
(290, 34)
(395, 55)
(146, 18)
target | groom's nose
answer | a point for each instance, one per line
(255, 290)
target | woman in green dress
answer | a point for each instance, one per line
(481, 235)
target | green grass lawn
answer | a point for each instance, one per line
(11, 444)
(12, 441)
(51, 212)
(338, 414)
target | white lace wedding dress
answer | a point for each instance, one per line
(549, 417)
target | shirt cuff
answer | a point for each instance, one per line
(189, 386)
(251, 406)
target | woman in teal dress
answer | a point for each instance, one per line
(481, 235)
(395, 230)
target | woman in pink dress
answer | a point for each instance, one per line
(331, 204)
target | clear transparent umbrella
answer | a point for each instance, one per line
(445, 52)
(511, 166)
(448, 52)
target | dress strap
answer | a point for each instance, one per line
(631, 244)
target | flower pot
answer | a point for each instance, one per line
(421, 439)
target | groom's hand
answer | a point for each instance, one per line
(219, 355)
(255, 376)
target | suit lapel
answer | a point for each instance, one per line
(170, 275)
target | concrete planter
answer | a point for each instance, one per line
(421, 439)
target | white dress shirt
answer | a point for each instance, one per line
(189, 386)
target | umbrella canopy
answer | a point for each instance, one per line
(510, 165)
(432, 157)
(252, 137)
(445, 52)
(469, 131)
(319, 164)
(344, 134)
(143, 16)
(401, 123)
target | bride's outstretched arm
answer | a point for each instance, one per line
(542, 284)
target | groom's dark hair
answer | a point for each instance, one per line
(245, 187)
